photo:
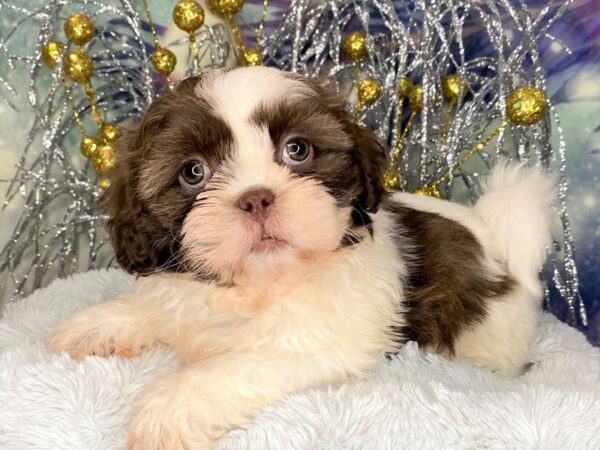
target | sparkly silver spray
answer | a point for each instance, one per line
(61, 230)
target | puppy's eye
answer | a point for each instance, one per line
(195, 175)
(296, 152)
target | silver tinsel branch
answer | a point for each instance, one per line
(60, 230)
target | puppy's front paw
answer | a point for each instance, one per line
(164, 418)
(88, 332)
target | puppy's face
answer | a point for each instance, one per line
(249, 168)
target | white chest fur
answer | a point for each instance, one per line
(342, 309)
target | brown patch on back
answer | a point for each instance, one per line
(448, 288)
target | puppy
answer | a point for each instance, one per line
(271, 259)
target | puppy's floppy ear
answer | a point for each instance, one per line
(131, 231)
(368, 153)
(371, 159)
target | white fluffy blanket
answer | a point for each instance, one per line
(416, 400)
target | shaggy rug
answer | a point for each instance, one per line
(415, 400)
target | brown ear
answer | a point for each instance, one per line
(137, 237)
(371, 159)
(369, 153)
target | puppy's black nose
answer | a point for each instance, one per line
(257, 202)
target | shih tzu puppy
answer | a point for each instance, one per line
(271, 259)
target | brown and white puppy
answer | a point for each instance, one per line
(272, 261)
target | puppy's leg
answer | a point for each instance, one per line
(154, 313)
(122, 326)
(196, 406)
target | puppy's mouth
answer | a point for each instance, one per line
(268, 243)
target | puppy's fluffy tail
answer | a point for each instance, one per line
(516, 208)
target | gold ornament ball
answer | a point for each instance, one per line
(88, 146)
(104, 183)
(252, 57)
(109, 132)
(369, 91)
(453, 88)
(104, 159)
(79, 28)
(355, 46)
(526, 105)
(78, 66)
(225, 8)
(415, 98)
(51, 53)
(391, 180)
(164, 61)
(429, 191)
(188, 15)
(404, 87)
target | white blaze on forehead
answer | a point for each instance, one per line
(235, 96)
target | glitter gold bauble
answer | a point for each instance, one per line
(79, 28)
(104, 183)
(355, 46)
(453, 88)
(164, 61)
(404, 87)
(526, 105)
(104, 159)
(391, 180)
(109, 132)
(429, 191)
(225, 8)
(369, 91)
(88, 146)
(415, 98)
(51, 53)
(252, 57)
(188, 15)
(78, 66)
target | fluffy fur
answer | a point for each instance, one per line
(319, 284)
